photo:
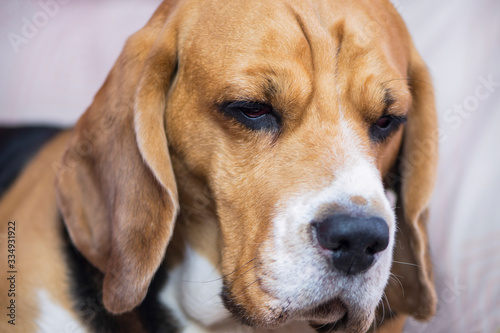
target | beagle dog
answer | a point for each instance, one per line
(233, 174)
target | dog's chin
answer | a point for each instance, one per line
(330, 316)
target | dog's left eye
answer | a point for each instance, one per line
(254, 115)
(384, 127)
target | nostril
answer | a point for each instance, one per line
(339, 247)
(374, 249)
(353, 242)
(380, 244)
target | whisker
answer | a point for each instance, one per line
(237, 269)
(396, 79)
(393, 276)
(406, 79)
(384, 296)
(239, 276)
(406, 263)
(244, 291)
(383, 311)
(252, 283)
(398, 228)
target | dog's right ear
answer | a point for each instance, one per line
(412, 291)
(117, 192)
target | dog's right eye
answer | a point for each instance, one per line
(254, 115)
(385, 126)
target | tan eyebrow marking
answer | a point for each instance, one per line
(358, 200)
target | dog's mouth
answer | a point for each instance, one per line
(339, 325)
(328, 316)
(327, 313)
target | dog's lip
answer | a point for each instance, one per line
(320, 314)
(327, 312)
(330, 327)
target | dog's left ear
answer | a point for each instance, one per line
(118, 194)
(411, 288)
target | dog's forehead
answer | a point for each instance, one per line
(243, 44)
(235, 38)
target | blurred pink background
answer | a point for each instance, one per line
(51, 73)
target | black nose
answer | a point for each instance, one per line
(353, 242)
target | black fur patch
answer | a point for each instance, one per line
(237, 310)
(86, 289)
(17, 146)
(155, 316)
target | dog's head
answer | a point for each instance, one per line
(297, 116)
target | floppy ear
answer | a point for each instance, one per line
(117, 192)
(411, 289)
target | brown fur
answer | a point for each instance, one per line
(39, 260)
(156, 116)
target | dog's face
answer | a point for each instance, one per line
(298, 120)
(293, 114)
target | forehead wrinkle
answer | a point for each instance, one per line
(361, 90)
(323, 100)
(277, 63)
(317, 36)
(340, 26)
(306, 36)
